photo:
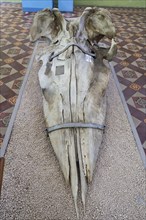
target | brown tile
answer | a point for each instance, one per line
(141, 129)
(12, 77)
(127, 92)
(3, 55)
(17, 66)
(137, 69)
(6, 92)
(137, 113)
(141, 80)
(143, 91)
(123, 81)
(21, 56)
(4, 106)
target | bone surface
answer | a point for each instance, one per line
(73, 78)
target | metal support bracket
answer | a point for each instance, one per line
(75, 125)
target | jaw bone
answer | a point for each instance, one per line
(50, 24)
(94, 24)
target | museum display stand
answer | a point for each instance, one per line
(37, 5)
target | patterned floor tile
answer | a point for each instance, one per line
(15, 53)
(129, 64)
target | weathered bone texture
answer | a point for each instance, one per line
(74, 88)
(95, 23)
(50, 24)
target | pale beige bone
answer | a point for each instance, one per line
(50, 24)
(78, 95)
(96, 23)
(73, 26)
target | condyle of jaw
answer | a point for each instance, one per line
(73, 87)
(49, 24)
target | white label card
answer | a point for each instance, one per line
(88, 58)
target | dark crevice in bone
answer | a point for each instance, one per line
(63, 115)
(70, 93)
(48, 68)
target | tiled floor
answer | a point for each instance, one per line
(129, 63)
(15, 53)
